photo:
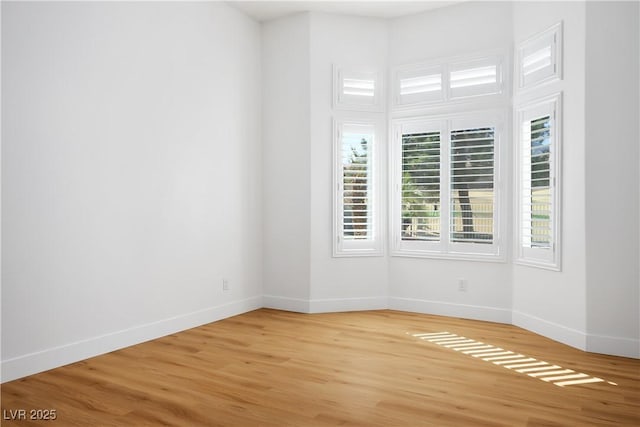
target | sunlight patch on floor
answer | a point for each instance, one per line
(520, 363)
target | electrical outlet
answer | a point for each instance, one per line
(225, 284)
(463, 285)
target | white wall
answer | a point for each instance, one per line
(451, 31)
(131, 168)
(428, 285)
(286, 162)
(549, 302)
(341, 283)
(612, 115)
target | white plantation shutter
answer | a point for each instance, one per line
(356, 223)
(536, 60)
(539, 58)
(355, 186)
(539, 154)
(445, 80)
(536, 185)
(478, 77)
(416, 85)
(357, 90)
(361, 87)
(421, 186)
(472, 185)
(445, 199)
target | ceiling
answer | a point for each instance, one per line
(265, 10)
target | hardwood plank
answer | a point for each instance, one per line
(278, 368)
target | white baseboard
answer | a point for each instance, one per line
(348, 304)
(329, 305)
(439, 308)
(551, 330)
(34, 363)
(297, 305)
(614, 346)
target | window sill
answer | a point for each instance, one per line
(455, 256)
(537, 264)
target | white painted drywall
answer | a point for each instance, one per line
(549, 302)
(462, 29)
(131, 170)
(286, 161)
(344, 41)
(429, 285)
(612, 145)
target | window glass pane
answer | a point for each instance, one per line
(472, 185)
(537, 203)
(421, 186)
(356, 191)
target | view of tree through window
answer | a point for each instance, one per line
(356, 186)
(421, 186)
(472, 191)
(540, 189)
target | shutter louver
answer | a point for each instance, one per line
(537, 189)
(356, 183)
(481, 77)
(421, 186)
(417, 85)
(357, 90)
(420, 84)
(472, 185)
(359, 87)
(536, 61)
(473, 77)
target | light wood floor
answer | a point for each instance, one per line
(276, 368)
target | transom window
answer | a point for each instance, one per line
(539, 58)
(357, 89)
(423, 84)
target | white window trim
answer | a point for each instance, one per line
(340, 103)
(444, 249)
(554, 32)
(370, 247)
(546, 258)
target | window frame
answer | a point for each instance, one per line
(445, 248)
(375, 245)
(547, 258)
